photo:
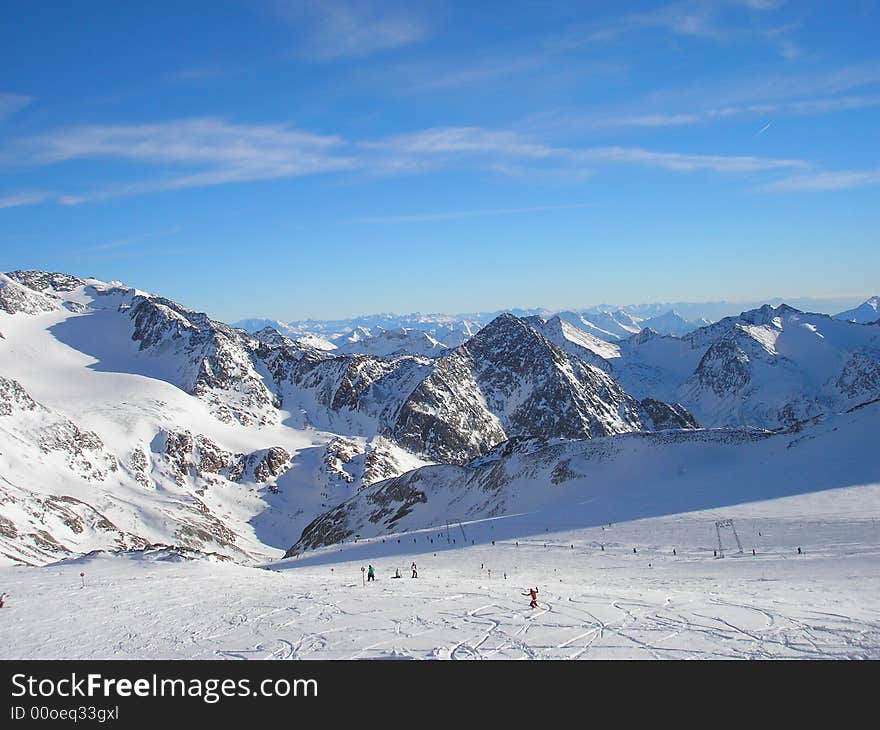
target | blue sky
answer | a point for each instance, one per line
(327, 159)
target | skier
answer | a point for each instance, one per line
(2, 597)
(396, 573)
(533, 592)
(371, 573)
(415, 573)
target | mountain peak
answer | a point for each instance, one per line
(868, 311)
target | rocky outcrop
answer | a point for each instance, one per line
(214, 361)
(348, 393)
(860, 376)
(16, 298)
(663, 416)
(47, 281)
(13, 397)
(196, 456)
(509, 380)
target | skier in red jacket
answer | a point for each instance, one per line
(533, 592)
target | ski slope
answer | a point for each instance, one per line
(593, 603)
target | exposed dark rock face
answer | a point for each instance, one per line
(725, 368)
(379, 464)
(664, 416)
(328, 529)
(338, 454)
(509, 380)
(269, 463)
(215, 360)
(83, 450)
(197, 456)
(860, 377)
(387, 505)
(13, 397)
(331, 388)
(178, 450)
(43, 281)
(16, 298)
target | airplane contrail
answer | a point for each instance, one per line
(764, 129)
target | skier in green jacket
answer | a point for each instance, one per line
(371, 574)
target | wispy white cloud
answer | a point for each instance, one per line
(457, 214)
(205, 152)
(334, 29)
(819, 182)
(436, 78)
(128, 242)
(19, 199)
(802, 107)
(476, 141)
(773, 88)
(12, 103)
(463, 140)
(647, 120)
(194, 153)
(684, 162)
(762, 4)
(718, 21)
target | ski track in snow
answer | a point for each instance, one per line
(592, 604)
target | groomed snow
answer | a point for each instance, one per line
(593, 604)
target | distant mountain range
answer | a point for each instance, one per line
(611, 324)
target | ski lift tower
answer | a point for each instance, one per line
(726, 523)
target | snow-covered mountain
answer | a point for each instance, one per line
(868, 311)
(632, 476)
(355, 336)
(605, 325)
(257, 324)
(575, 341)
(768, 368)
(509, 380)
(672, 323)
(127, 419)
(391, 342)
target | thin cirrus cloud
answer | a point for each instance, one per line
(220, 153)
(459, 214)
(821, 182)
(718, 21)
(19, 199)
(707, 116)
(124, 243)
(795, 88)
(206, 152)
(329, 30)
(475, 141)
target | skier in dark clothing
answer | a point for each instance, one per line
(533, 592)
(371, 573)
(415, 573)
(2, 597)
